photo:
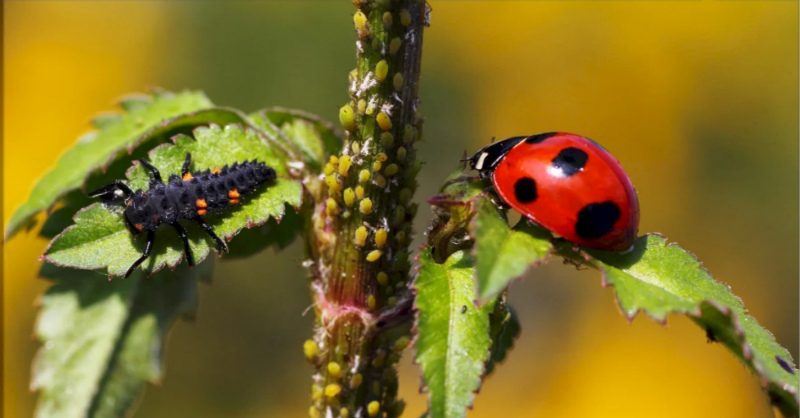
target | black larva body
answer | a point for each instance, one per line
(188, 197)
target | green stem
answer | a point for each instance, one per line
(360, 230)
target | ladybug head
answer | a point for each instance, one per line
(489, 156)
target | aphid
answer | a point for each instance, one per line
(190, 197)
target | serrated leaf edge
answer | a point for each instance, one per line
(422, 385)
(8, 233)
(471, 230)
(747, 349)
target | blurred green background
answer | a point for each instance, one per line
(698, 100)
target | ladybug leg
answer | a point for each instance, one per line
(186, 163)
(579, 265)
(153, 170)
(220, 243)
(186, 249)
(151, 236)
(497, 201)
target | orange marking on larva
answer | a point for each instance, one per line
(128, 203)
(201, 212)
(216, 170)
(187, 176)
(201, 203)
(139, 226)
(233, 194)
(234, 201)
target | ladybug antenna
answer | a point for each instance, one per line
(493, 138)
(464, 159)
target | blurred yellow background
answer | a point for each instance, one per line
(698, 100)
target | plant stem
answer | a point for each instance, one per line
(360, 229)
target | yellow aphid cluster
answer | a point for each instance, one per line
(368, 189)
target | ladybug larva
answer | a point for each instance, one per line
(566, 183)
(189, 197)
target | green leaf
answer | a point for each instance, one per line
(310, 137)
(452, 333)
(504, 329)
(61, 216)
(503, 254)
(272, 234)
(145, 117)
(102, 339)
(309, 134)
(661, 278)
(99, 238)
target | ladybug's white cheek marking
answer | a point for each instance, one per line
(481, 159)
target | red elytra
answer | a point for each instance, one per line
(566, 183)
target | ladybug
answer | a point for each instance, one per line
(188, 197)
(566, 183)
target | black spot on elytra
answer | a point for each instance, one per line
(538, 139)
(784, 365)
(525, 190)
(597, 219)
(570, 161)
